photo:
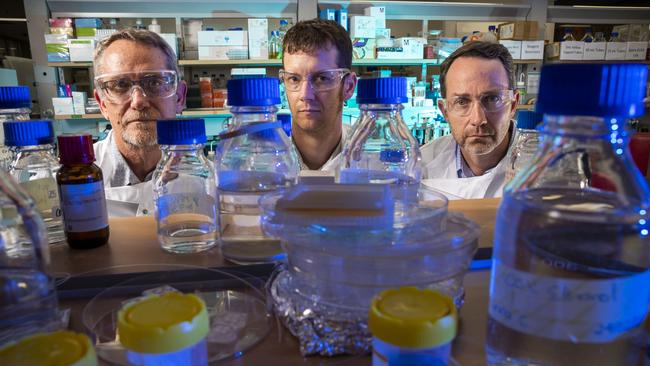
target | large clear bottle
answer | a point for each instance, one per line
(184, 188)
(15, 105)
(570, 283)
(255, 157)
(28, 301)
(380, 148)
(525, 143)
(34, 167)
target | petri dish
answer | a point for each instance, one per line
(240, 316)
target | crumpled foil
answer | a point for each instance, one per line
(326, 329)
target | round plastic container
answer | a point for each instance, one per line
(335, 265)
(411, 326)
(186, 297)
(61, 348)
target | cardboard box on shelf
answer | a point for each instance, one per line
(615, 50)
(378, 13)
(62, 106)
(532, 50)
(81, 50)
(594, 51)
(223, 38)
(636, 50)
(362, 27)
(413, 46)
(258, 39)
(223, 52)
(567, 50)
(519, 31)
(363, 48)
(514, 47)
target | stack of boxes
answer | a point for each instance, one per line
(632, 45)
(521, 39)
(56, 43)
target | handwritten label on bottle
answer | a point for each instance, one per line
(594, 311)
(84, 206)
(44, 193)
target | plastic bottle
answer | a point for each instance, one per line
(521, 87)
(568, 35)
(35, 167)
(64, 348)
(380, 149)
(168, 329)
(588, 37)
(154, 26)
(572, 251)
(282, 31)
(411, 326)
(15, 105)
(614, 37)
(138, 24)
(112, 24)
(81, 190)
(256, 157)
(184, 188)
(275, 45)
(28, 298)
(491, 35)
(525, 144)
(599, 37)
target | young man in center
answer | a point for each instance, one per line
(316, 61)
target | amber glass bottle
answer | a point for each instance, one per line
(81, 189)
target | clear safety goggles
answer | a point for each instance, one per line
(491, 102)
(118, 87)
(319, 81)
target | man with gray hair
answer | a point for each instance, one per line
(479, 103)
(136, 83)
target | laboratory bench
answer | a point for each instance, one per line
(82, 274)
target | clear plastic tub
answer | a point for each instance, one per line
(335, 269)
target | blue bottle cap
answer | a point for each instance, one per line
(254, 92)
(12, 97)
(600, 90)
(28, 133)
(181, 131)
(382, 91)
(391, 156)
(528, 120)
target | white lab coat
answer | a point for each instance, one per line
(131, 200)
(439, 171)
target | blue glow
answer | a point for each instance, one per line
(614, 127)
(619, 151)
(642, 222)
(620, 141)
(642, 212)
(613, 120)
(644, 232)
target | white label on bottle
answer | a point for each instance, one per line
(84, 206)
(593, 311)
(43, 192)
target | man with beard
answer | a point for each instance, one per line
(478, 102)
(136, 83)
(316, 60)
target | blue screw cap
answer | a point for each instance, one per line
(600, 90)
(28, 133)
(254, 92)
(181, 131)
(12, 97)
(528, 120)
(382, 91)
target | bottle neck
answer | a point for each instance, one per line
(246, 115)
(389, 112)
(610, 129)
(35, 148)
(182, 149)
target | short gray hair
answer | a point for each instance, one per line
(141, 36)
(486, 50)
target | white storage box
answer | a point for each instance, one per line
(258, 39)
(514, 47)
(413, 46)
(615, 51)
(594, 51)
(571, 50)
(223, 52)
(378, 13)
(636, 50)
(62, 106)
(81, 50)
(79, 100)
(223, 38)
(362, 27)
(532, 50)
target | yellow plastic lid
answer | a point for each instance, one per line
(61, 348)
(413, 318)
(163, 323)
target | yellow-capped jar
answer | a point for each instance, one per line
(167, 329)
(412, 326)
(61, 348)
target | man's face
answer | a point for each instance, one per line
(134, 120)
(473, 84)
(316, 111)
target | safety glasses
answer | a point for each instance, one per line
(491, 102)
(118, 87)
(319, 81)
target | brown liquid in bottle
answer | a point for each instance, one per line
(81, 189)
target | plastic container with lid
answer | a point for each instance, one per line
(167, 329)
(15, 105)
(184, 188)
(34, 167)
(60, 348)
(412, 326)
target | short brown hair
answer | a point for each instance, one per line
(309, 36)
(141, 36)
(486, 50)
